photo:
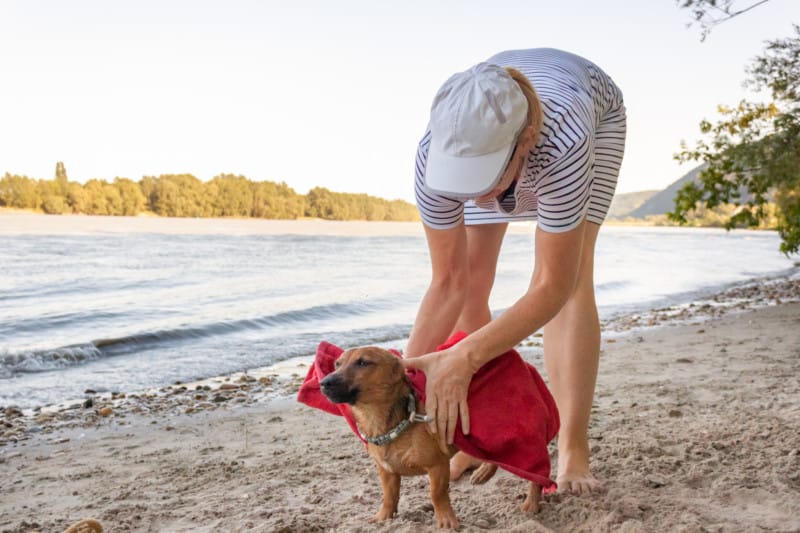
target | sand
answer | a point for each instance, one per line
(29, 223)
(695, 427)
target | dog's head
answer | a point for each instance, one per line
(364, 375)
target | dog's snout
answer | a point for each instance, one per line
(337, 390)
(331, 380)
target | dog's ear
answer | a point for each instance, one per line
(398, 372)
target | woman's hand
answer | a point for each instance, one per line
(448, 375)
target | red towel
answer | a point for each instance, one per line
(512, 414)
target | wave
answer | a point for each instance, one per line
(60, 320)
(43, 360)
(613, 285)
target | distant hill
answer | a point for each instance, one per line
(651, 207)
(624, 203)
(664, 201)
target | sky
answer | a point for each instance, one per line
(333, 93)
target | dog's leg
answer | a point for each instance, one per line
(390, 483)
(440, 496)
(531, 503)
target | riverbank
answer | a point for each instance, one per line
(17, 222)
(695, 427)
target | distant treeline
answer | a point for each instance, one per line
(704, 217)
(183, 195)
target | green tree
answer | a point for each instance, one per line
(320, 203)
(97, 203)
(710, 13)
(400, 210)
(148, 187)
(55, 205)
(54, 201)
(276, 201)
(78, 199)
(114, 204)
(753, 152)
(61, 178)
(230, 196)
(175, 195)
(325, 204)
(20, 192)
(132, 199)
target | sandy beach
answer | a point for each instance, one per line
(29, 223)
(696, 427)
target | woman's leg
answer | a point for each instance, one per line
(483, 249)
(572, 354)
(572, 338)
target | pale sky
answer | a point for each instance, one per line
(332, 93)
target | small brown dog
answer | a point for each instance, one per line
(374, 383)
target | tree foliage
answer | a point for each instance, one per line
(19, 192)
(753, 151)
(710, 13)
(184, 195)
(322, 203)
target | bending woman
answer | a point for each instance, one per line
(528, 135)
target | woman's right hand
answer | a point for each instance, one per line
(448, 375)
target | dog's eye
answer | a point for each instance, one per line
(363, 362)
(337, 364)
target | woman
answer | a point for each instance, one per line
(529, 135)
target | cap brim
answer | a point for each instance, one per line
(465, 177)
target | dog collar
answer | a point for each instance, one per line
(386, 438)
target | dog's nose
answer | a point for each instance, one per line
(331, 380)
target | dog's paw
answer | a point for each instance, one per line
(89, 525)
(531, 503)
(383, 514)
(446, 520)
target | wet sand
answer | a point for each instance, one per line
(695, 427)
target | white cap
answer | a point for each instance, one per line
(475, 119)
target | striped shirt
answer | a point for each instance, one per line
(571, 173)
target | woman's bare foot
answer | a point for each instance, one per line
(483, 473)
(574, 475)
(578, 483)
(460, 463)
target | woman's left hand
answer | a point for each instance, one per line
(448, 375)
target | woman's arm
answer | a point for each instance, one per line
(449, 372)
(444, 299)
(555, 274)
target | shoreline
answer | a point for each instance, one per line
(281, 380)
(695, 427)
(21, 222)
(29, 223)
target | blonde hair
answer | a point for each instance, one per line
(535, 113)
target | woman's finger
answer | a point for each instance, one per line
(452, 420)
(441, 421)
(441, 437)
(464, 411)
(414, 362)
(431, 409)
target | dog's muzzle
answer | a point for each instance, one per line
(337, 391)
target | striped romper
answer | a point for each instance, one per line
(572, 172)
